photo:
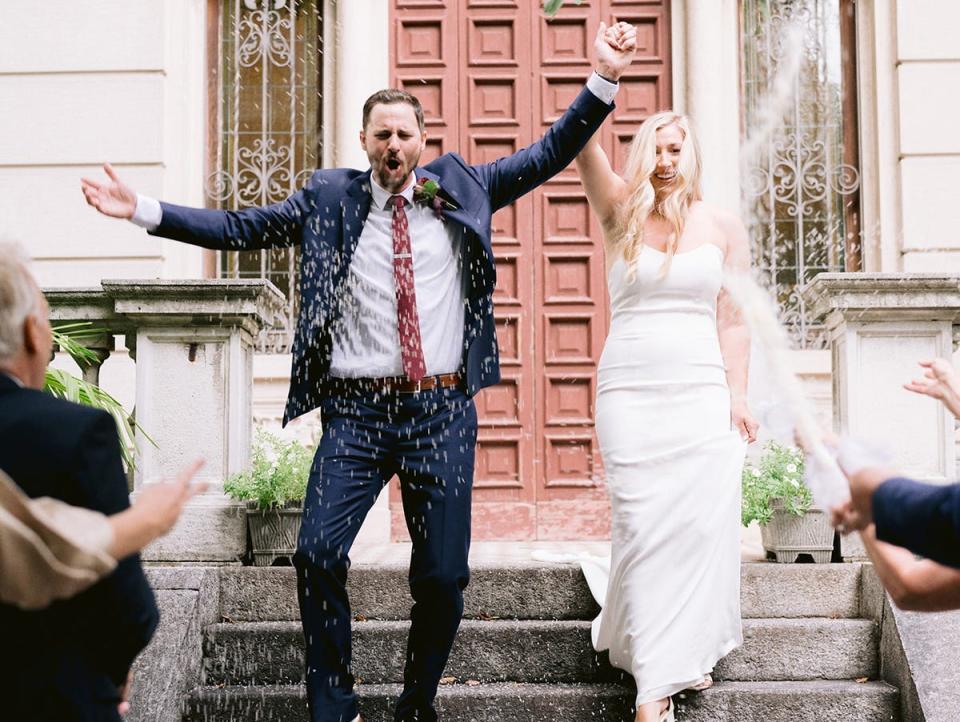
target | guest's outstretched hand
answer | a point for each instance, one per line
(857, 513)
(940, 382)
(154, 512)
(615, 47)
(161, 503)
(866, 468)
(113, 198)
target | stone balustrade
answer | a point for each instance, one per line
(880, 325)
(193, 345)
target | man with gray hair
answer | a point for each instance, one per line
(71, 660)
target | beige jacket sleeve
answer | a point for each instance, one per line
(48, 549)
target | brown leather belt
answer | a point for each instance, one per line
(395, 384)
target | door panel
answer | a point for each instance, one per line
(493, 75)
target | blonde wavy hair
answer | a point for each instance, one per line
(642, 199)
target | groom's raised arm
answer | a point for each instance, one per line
(508, 178)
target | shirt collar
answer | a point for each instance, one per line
(381, 196)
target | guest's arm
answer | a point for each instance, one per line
(914, 584)
(924, 518)
(154, 513)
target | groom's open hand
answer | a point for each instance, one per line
(114, 198)
(616, 47)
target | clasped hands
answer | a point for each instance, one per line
(615, 47)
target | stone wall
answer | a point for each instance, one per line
(85, 83)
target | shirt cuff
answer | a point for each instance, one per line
(148, 213)
(602, 88)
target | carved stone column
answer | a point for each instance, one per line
(362, 68)
(711, 87)
(71, 305)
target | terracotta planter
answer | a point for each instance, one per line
(787, 535)
(273, 534)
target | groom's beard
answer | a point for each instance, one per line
(387, 178)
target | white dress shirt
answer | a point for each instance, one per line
(366, 342)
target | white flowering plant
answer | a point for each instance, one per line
(277, 476)
(778, 476)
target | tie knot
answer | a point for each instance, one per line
(398, 201)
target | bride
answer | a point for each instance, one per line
(672, 416)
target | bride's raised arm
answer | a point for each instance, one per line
(605, 189)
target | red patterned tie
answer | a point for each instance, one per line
(408, 322)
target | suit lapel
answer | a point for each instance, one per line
(460, 214)
(469, 220)
(356, 208)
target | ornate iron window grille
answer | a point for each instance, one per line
(801, 187)
(268, 138)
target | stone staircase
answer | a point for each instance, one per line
(523, 653)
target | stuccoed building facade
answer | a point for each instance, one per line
(828, 124)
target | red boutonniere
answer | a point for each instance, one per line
(428, 193)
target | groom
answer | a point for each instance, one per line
(394, 337)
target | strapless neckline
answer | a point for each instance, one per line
(685, 253)
(663, 253)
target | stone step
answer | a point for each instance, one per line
(537, 591)
(815, 701)
(539, 651)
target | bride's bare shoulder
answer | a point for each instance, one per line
(721, 227)
(727, 221)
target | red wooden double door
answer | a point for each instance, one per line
(493, 75)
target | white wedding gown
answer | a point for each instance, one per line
(673, 464)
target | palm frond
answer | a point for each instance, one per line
(65, 385)
(66, 337)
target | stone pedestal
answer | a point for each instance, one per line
(880, 325)
(193, 344)
(194, 352)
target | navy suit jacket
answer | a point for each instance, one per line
(326, 219)
(924, 518)
(66, 662)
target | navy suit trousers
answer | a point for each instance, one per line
(428, 440)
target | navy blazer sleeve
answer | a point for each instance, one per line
(924, 518)
(506, 179)
(279, 224)
(119, 614)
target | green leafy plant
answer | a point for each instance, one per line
(64, 385)
(277, 476)
(551, 7)
(778, 476)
